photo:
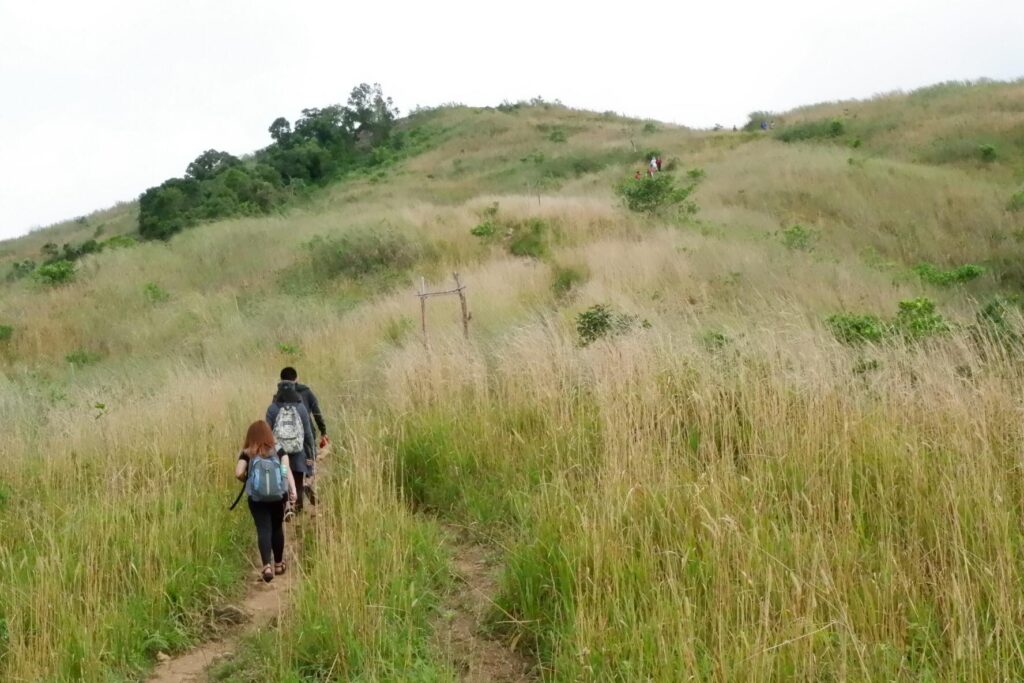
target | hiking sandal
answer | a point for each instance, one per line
(280, 568)
(268, 574)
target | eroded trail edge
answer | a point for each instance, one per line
(460, 628)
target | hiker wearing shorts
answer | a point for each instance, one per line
(268, 484)
(293, 431)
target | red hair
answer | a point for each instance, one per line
(259, 440)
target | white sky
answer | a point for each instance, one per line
(101, 99)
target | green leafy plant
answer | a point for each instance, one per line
(601, 321)
(650, 127)
(651, 195)
(154, 293)
(854, 328)
(713, 340)
(918, 318)
(798, 238)
(289, 349)
(529, 238)
(83, 357)
(987, 153)
(20, 269)
(557, 135)
(6, 332)
(485, 229)
(812, 130)
(120, 242)
(944, 278)
(56, 273)
(566, 279)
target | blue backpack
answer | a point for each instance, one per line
(267, 481)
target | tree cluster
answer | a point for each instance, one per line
(321, 145)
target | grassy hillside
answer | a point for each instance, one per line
(790, 451)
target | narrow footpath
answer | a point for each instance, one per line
(460, 627)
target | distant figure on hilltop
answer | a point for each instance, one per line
(652, 167)
(764, 125)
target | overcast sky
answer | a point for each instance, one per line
(101, 99)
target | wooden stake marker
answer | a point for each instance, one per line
(459, 290)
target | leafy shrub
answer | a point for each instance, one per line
(485, 229)
(944, 278)
(650, 195)
(798, 238)
(854, 328)
(154, 293)
(120, 242)
(566, 279)
(695, 174)
(1016, 202)
(56, 272)
(557, 135)
(713, 340)
(289, 349)
(650, 127)
(363, 253)
(397, 329)
(20, 269)
(82, 357)
(600, 321)
(918, 318)
(754, 120)
(6, 332)
(987, 153)
(812, 130)
(529, 238)
(856, 143)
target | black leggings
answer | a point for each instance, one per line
(269, 518)
(299, 476)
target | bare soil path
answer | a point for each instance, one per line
(460, 628)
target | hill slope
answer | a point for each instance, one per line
(716, 485)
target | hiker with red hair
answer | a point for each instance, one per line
(269, 484)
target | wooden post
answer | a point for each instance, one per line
(423, 307)
(465, 307)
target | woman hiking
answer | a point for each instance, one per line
(268, 483)
(288, 417)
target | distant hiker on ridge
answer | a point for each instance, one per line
(309, 399)
(268, 483)
(652, 167)
(294, 433)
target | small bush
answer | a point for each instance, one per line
(557, 135)
(566, 279)
(854, 328)
(917, 318)
(600, 321)
(363, 253)
(286, 349)
(120, 242)
(696, 174)
(944, 278)
(154, 293)
(82, 357)
(485, 229)
(855, 143)
(529, 238)
(650, 195)
(56, 273)
(6, 332)
(812, 130)
(650, 127)
(1016, 202)
(713, 340)
(987, 153)
(798, 238)
(21, 269)
(397, 329)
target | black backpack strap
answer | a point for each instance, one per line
(238, 497)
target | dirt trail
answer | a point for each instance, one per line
(459, 628)
(262, 605)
